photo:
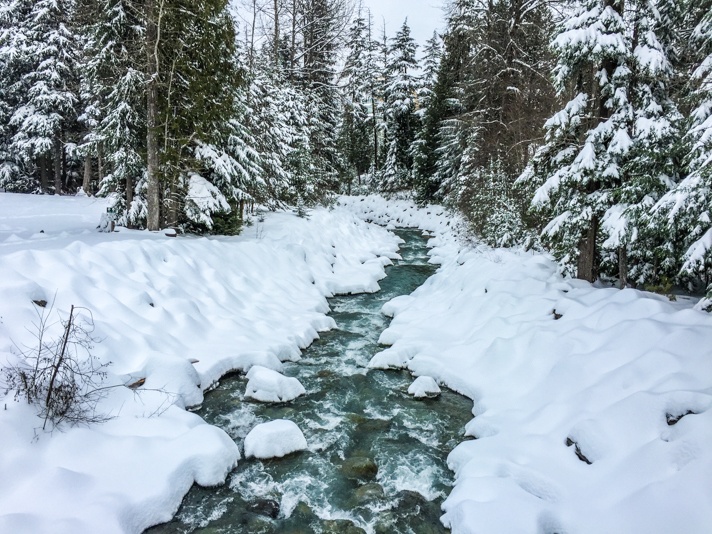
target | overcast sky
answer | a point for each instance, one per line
(424, 16)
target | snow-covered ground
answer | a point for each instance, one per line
(556, 367)
(547, 361)
(158, 304)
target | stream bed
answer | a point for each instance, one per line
(377, 457)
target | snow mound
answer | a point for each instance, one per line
(274, 439)
(424, 387)
(266, 385)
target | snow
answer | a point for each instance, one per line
(159, 304)
(274, 439)
(561, 373)
(424, 386)
(548, 361)
(266, 385)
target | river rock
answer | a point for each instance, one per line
(274, 440)
(424, 387)
(341, 526)
(368, 492)
(266, 385)
(265, 507)
(359, 467)
(373, 425)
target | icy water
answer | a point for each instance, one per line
(377, 457)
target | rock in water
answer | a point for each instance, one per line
(359, 468)
(424, 387)
(274, 440)
(266, 385)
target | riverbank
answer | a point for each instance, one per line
(592, 404)
(158, 304)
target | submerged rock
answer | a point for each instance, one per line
(274, 440)
(265, 507)
(341, 526)
(424, 387)
(359, 467)
(369, 492)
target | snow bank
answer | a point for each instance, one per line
(274, 439)
(176, 314)
(592, 405)
(266, 385)
(424, 387)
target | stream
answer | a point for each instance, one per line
(377, 457)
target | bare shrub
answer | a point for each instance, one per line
(60, 377)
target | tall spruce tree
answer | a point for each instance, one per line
(684, 214)
(45, 87)
(587, 141)
(401, 120)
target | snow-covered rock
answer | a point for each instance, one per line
(266, 385)
(274, 439)
(424, 387)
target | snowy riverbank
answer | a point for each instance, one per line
(550, 361)
(158, 303)
(547, 361)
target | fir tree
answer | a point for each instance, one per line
(401, 121)
(685, 212)
(586, 142)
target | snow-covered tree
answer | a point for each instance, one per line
(401, 120)
(580, 163)
(686, 211)
(45, 86)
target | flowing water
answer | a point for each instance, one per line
(377, 457)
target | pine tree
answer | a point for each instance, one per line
(685, 213)
(115, 112)
(650, 166)
(46, 90)
(436, 155)
(586, 142)
(401, 120)
(355, 139)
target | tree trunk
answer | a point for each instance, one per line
(86, 181)
(44, 173)
(587, 261)
(57, 166)
(623, 266)
(276, 33)
(153, 199)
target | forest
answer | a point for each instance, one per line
(582, 127)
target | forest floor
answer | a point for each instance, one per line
(592, 405)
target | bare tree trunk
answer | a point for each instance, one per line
(276, 33)
(293, 51)
(623, 266)
(587, 261)
(153, 198)
(86, 181)
(99, 165)
(57, 166)
(44, 173)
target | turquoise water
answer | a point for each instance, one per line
(377, 457)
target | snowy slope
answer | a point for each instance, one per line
(549, 362)
(158, 303)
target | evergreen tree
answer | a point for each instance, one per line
(587, 141)
(401, 120)
(355, 139)
(685, 213)
(44, 86)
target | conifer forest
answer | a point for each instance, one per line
(583, 127)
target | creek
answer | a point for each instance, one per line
(377, 457)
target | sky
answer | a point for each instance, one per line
(424, 16)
